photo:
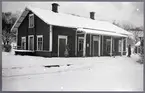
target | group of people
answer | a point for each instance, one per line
(129, 52)
(141, 53)
(128, 55)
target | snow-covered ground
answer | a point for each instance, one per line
(28, 73)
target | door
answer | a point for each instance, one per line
(31, 42)
(96, 40)
(95, 48)
(62, 42)
(80, 46)
(23, 43)
(108, 46)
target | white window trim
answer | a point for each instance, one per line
(111, 46)
(25, 42)
(29, 41)
(17, 37)
(39, 36)
(122, 46)
(84, 45)
(99, 45)
(61, 37)
(50, 38)
(81, 37)
(29, 20)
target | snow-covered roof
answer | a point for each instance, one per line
(68, 20)
(137, 33)
(100, 32)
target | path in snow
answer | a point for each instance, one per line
(84, 74)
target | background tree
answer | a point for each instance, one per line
(131, 28)
(126, 26)
(8, 19)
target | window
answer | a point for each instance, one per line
(31, 20)
(23, 43)
(120, 46)
(95, 38)
(80, 44)
(39, 42)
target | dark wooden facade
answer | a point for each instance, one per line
(70, 32)
(41, 28)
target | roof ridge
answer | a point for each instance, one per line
(73, 21)
(71, 14)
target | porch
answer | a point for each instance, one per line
(99, 44)
(24, 52)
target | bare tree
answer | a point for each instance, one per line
(7, 22)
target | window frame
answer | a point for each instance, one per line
(39, 36)
(79, 39)
(31, 20)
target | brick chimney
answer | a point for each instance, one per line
(92, 15)
(55, 7)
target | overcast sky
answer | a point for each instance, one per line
(126, 12)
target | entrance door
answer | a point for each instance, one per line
(80, 46)
(96, 41)
(108, 46)
(113, 45)
(31, 42)
(95, 48)
(62, 42)
(23, 43)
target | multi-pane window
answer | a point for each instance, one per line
(80, 44)
(31, 20)
(120, 45)
(39, 42)
(23, 43)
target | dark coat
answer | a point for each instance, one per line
(129, 50)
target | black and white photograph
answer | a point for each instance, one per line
(72, 46)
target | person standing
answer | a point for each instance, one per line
(141, 60)
(66, 51)
(129, 50)
(114, 53)
(142, 51)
